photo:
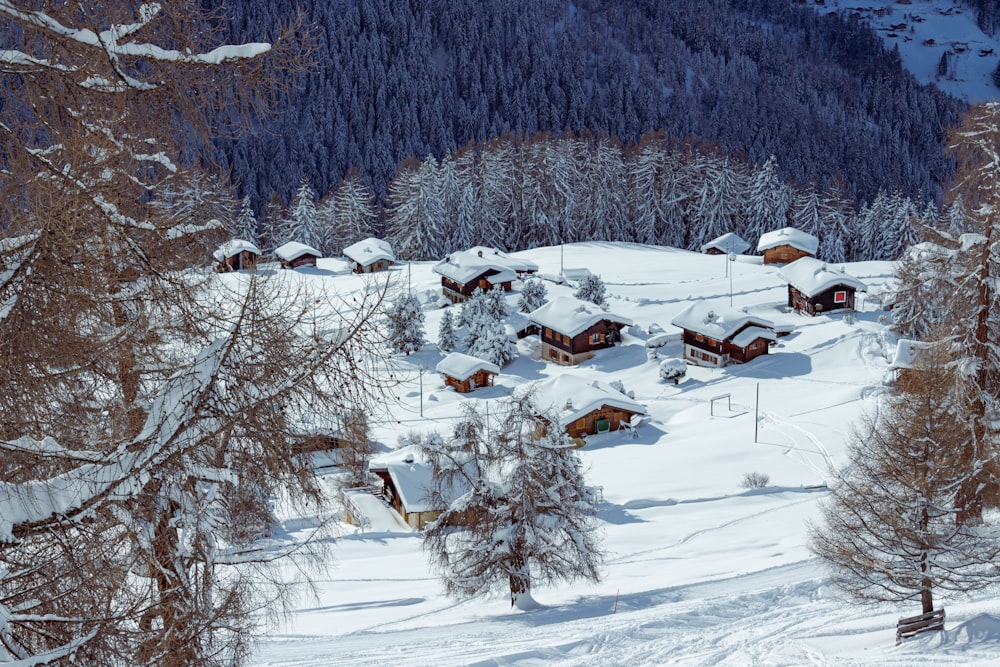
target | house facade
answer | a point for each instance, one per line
(714, 336)
(571, 330)
(369, 255)
(784, 246)
(814, 287)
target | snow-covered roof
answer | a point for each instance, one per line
(463, 267)
(728, 242)
(463, 366)
(494, 255)
(568, 398)
(752, 333)
(292, 250)
(812, 276)
(715, 321)
(908, 351)
(570, 316)
(413, 478)
(369, 251)
(233, 248)
(789, 236)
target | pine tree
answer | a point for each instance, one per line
(591, 288)
(491, 342)
(533, 295)
(527, 517)
(246, 222)
(303, 222)
(482, 315)
(447, 336)
(405, 324)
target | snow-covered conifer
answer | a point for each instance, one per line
(527, 517)
(447, 336)
(491, 342)
(591, 288)
(405, 324)
(303, 222)
(246, 222)
(533, 295)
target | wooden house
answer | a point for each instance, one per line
(725, 244)
(572, 329)
(236, 255)
(584, 407)
(465, 372)
(784, 246)
(293, 254)
(463, 272)
(714, 335)
(369, 255)
(814, 287)
(407, 482)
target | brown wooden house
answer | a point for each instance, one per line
(369, 255)
(406, 486)
(814, 287)
(713, 336)
(465, 372)
(463, 272)
(236, 255)
(726, 244)
(572, 329)
(585, 408)
(293, 254)
(784, 246)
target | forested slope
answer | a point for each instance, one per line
(398, 78)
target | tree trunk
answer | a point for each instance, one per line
(520, 581)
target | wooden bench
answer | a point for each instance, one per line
(914, 625)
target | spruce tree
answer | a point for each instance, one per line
(533, 295)
(447, 336)
(591, 288)
(405, 324)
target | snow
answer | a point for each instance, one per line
(463, 267)
(463, 366)
(789, 236)
(292, 250)
(812, 276)
(934, 27)
(571, 316)
(717, 321)
(699, 571)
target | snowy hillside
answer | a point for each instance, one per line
(699, 571)
(924, 30)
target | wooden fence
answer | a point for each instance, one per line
(914, 625)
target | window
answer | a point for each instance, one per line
(699, 337)
(547, 332)
(840, 296)
(595, 339)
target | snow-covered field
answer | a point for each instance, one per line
(699, 571)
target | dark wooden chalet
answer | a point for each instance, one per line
(725, 244)
(714, 336)
(236, 255)
(814, 287)
(784, 246)
(293, 254)
(406, 485)
(572, 329)
(369, 255)
(584, 407)
(463, 272)
(465, 372)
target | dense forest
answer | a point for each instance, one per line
(415, 78)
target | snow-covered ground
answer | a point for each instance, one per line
(699, 571)
(933, 27)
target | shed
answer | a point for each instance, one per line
(236, 255)
(369, 255)
(465, 372)
(725, 244)
(786, 245)
(815, 287)
(407, 482)
(294, 254)
(572, 329)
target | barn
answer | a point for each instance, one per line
(465, 372)
(815, 287)
(293, 254)
(786, 245)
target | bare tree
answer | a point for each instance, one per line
(890, 530)
(527, 516)
(147, 408)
